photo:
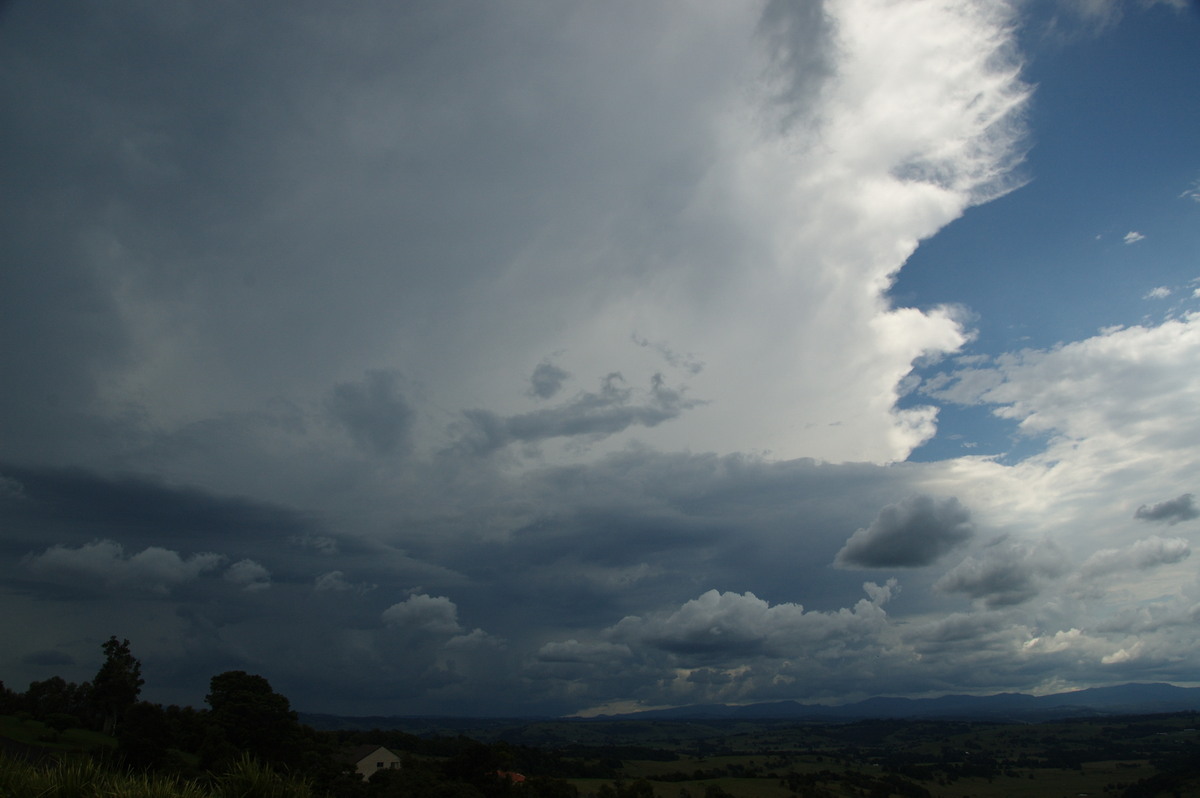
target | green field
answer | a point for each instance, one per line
(1151, 755)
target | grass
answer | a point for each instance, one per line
(83, 777)
(32, 732)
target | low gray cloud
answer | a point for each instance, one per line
(433, 614)
(373, 412)
(1142, 555)
(249, 575)
(154, 569)
(573, 651)
(547, 380)
(598, 414)
(1172, 511)
(909, 534)
(334, 580)
(1003, 575)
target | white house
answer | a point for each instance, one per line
(370, 759)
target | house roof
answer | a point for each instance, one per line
(360, 752)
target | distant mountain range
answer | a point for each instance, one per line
(1125, 699)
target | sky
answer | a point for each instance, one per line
(543, 358)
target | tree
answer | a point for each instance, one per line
(117, 684)
(144, 736)
(56, 696)
(10, 701)
(251, 717)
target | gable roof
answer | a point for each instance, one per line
(360, 752)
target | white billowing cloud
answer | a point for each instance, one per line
(726, 626)
(1124, 655)
(910, 534)
(433, 614)
(155, 569)
(1158, 292)
(1132, 237)
(1123, 396)
(249, 574)
(1141, 555)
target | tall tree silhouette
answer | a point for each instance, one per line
(117, 683)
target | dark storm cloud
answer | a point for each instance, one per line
(373, 412)
(911, 534)
(593, 414)
(1172, 511)
(547, 380)
(76, 506)
(590, 544)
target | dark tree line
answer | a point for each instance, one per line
(245, 717)
(98, 704)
